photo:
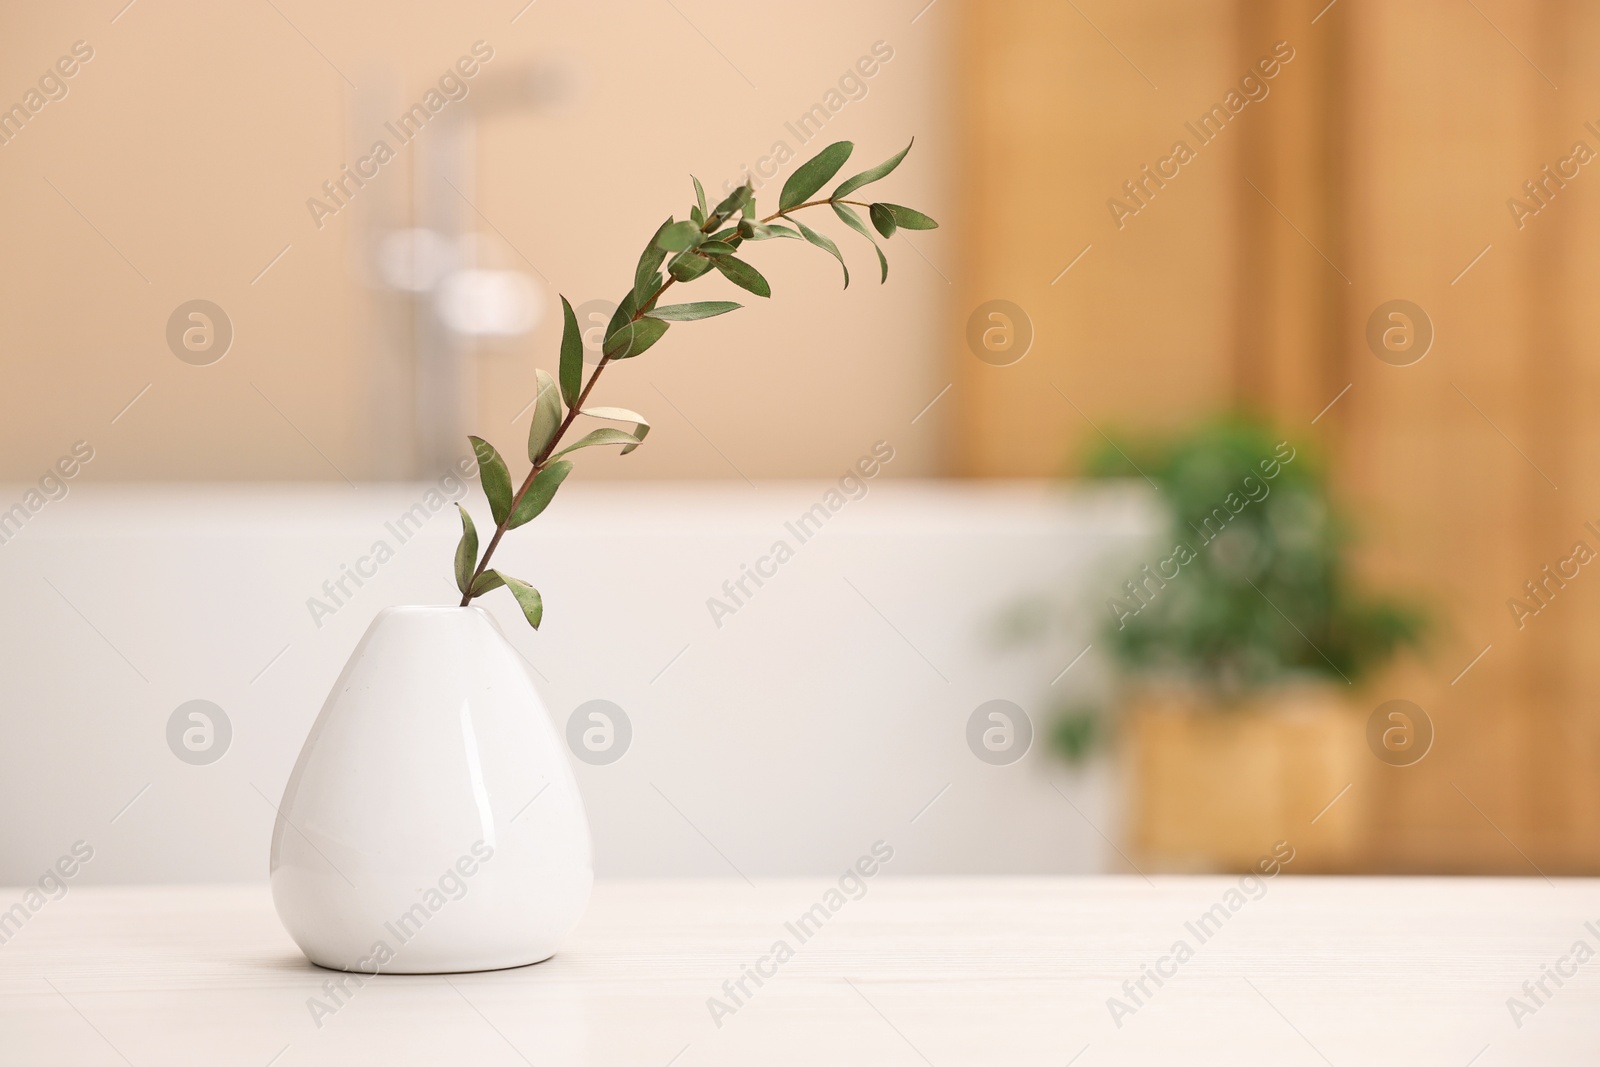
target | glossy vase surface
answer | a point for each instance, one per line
(432, 822)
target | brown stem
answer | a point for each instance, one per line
(813, 203)
(550, 446)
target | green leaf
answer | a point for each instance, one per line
(699, 309)
(853, 220)
(699, 195)
(742, 274)
(486, 581)
(735, 201)
(546, 416)
(466, 550)
(883, 219)
(910, 218)
(697, 216)
(623, 314)
(528, 598)
(646, 276)
(823, 242)
(571, 355)
(495, 477)
(634, 338)
(640, 426)
(756, 231)
(813, 174)
(687, 266)
(716, 248)
(882, 170)
(606, 435)
(678, 237)
(647, 284)
(540, 493)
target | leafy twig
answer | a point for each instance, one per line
(689, 249)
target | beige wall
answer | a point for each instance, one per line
(193, 138)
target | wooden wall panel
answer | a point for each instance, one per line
(1056, 120)
(1438, 448)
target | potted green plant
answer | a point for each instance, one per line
(1239, 640)
(432, 822)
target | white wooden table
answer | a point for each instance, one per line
(938, 971)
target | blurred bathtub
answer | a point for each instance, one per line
(821, 715)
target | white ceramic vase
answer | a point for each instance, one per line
(432, 822)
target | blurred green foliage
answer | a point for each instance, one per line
(1249, 586)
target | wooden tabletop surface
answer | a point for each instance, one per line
(941, 972)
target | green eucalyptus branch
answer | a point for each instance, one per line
(690, 249)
